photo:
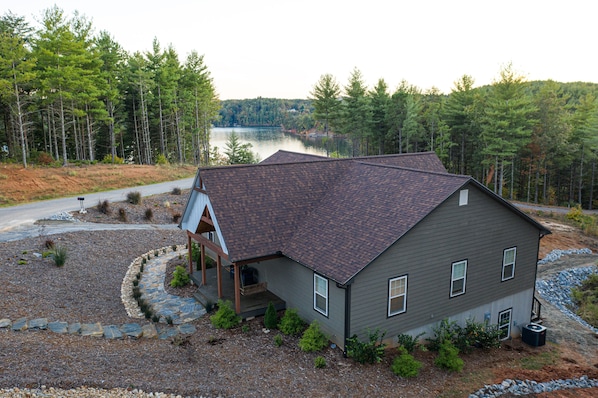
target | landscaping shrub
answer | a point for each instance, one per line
(474, 334)
(104, 207)
(180, 277)
(444, 331)
(122, 215)
(49, 244)
(371, 351)
(448, 357)
(480, 335)
(176, 191)
(149, 214)
(278, 340)
(320, 362)
(291, 324)
(176, 217)
(405, 365)
(409, 342)
(134, 197)
(313, 338)
(225, 317)
(270, 317)
(59, 254)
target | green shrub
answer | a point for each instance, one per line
(180, 277)
(405, 365)
(474, 334)
(408, 342)
(585, 297)
(448, 357)
(313, 338)
(134, 197)
(371, 351)
(480, 335)
(104, 207)
(225, 317)
(278, 340)
(270, 317)
(122, 215)
(245, 328)
(291, 324)
(320, 362)
(107, 159)
(444, 331)
(161, 159)
(59, 254)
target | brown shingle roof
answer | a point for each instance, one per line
(332, 215)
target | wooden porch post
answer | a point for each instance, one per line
(219, 276)
(237, 289)
(189, 253)
(203, 265)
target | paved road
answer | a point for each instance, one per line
(17, 220)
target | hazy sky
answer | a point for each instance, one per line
(281, 48)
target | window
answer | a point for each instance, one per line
(397, 295)
(504, 324)
(508, 263)
(463, 197)
(321, 294)
(458, 277)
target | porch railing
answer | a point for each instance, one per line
(536, 310)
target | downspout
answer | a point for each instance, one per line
(347, 330)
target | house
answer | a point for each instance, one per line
(392, 242)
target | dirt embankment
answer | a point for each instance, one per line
(20, 185)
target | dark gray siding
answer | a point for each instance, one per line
(294, 284)
(477, 232)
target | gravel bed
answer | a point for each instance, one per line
(526, 387)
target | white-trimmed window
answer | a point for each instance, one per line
(504, 324)
(463, 197)
(458, 278)
(508, 263)
(397, 295)
(321, 294)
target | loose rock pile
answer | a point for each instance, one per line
(524, 387)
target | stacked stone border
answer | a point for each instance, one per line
(126, 288)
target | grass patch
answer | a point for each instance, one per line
(538, 361)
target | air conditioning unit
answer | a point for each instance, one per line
(533, 334)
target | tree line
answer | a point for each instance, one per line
(529, 141)
(69, 95)
(291, 114)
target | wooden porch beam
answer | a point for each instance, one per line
(190, 257)
(203, 264)
(209, 244)
(207, 220)
(219, 276)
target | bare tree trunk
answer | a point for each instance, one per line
(65, 161)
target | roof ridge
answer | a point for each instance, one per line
(392, 166)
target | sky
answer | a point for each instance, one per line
(281, 48)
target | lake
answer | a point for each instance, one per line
(267, 140)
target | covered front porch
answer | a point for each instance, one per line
(228, 281)
(252, 305)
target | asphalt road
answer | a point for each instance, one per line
(18, 220)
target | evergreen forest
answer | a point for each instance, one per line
(70, 95)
